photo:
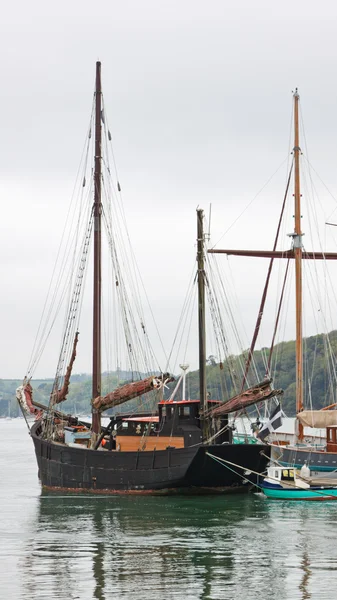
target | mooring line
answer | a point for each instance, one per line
(222, 460)
(291, 485)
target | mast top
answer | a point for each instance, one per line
(98, 78)
(296, 94)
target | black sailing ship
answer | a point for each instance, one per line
(163, 450)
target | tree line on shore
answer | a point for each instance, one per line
(223, 379)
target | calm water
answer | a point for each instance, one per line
(142, 547)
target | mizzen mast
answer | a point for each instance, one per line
(297, 246)
(96, 352)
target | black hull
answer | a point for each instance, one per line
(172, 470)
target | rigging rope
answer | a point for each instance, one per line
(251, 201)
(277, 320)
(71, 268)
(43, 331)
(264, 295)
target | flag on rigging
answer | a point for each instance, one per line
(275, 421)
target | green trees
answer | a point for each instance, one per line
(224, 379)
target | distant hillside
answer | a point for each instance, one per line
(220, 378)
(317, 368)
(79, 393)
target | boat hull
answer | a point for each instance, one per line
(299, 494)
(188, 470)
(318, 461)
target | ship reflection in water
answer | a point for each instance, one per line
(179, 547)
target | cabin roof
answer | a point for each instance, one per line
(174, 402)
(149, 419)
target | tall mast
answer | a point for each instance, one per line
(297, 244)
(96, 353)
(201, 320)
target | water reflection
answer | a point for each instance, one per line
(192, 548)
(96, 547)
(174, 548)
(305, 566)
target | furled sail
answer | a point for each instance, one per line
(131, 390)
(62, 393)
(318, 418)
(258, 393)
(24, 395)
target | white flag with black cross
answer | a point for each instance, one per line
(274, 422)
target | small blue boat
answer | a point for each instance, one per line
(288, 484)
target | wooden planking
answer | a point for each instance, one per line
(134, 443)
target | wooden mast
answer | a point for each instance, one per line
(96, 353)
(297, 245)
(201, 321)
(295, 253)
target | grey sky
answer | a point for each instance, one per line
(199, 102)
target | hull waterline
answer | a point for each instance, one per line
(299, 494)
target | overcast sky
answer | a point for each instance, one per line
(199, 101)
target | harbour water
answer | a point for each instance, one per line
(123, 547)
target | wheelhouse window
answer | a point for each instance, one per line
(184, 411)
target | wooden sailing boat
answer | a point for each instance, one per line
(163, 450)
(304, 450)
